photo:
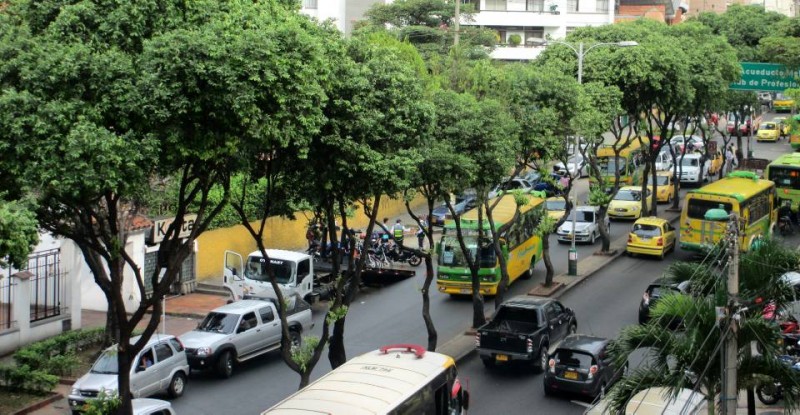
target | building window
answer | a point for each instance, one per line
(535, 6)
(533, 36)
(309, 4)
(602, 6)
(572, 6)
(496, 5)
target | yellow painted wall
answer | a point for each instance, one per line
(280, 233)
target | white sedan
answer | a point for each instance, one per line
(576, 166)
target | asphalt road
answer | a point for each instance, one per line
(392, 314)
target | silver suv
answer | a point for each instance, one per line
(161, 366)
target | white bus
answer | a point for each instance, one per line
(398, 379)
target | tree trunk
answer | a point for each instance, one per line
(548, 264)
(111, 335)
(124, 377)
(644, 211)
(604, 231)
(502, 287)
(337, 355)
(654, 197)
(426, 303)
(478, 316)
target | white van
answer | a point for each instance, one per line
(664, 161)
(657, 401)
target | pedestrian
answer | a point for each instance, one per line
(423, 225)
(398, 232)
(729, 158)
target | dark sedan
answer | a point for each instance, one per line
(442, 213)
(656, 290)
(581, 365)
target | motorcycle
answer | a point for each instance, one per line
(403, 255)
(770, 393)
(785, 226)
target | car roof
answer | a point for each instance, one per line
(282, 254)
(584, 342)
(155, 338)
(791, 278)
(148, 405)
(241, 306)
(651, 220)
(527, 301)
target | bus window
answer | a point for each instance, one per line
(699, 207)
(784, 177)
(453, 256)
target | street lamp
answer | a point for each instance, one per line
(581, 53)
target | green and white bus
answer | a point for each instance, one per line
(521, 246)
(785, 172)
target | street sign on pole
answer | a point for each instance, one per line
(765, 77)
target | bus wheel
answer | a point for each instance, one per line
(527, 275)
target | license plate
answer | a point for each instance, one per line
(644, 239)
(501, 358)
(465, 291)
(571, 375)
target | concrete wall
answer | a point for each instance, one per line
(280, 233)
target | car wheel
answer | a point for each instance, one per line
(541, 364)
(529, 274)
(573, 328)
(177, 385)
(488, 362)
(594, 237)
(669, 199)
(548, 391)
(225, 364)
(661, 255)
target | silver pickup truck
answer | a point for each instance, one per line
(242, 330)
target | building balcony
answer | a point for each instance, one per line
(517, 18)
(519, 53)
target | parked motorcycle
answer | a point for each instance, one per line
(785, 226)
(403, 255)
(770, 393)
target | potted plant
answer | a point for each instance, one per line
(553, 8)
(514, 40)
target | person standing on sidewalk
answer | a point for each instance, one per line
(423, 224)
(398, 232)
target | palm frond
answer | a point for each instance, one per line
(702, 276)
(640, 379)
(754, 370)
(760, 271)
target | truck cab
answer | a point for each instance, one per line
(294, 273)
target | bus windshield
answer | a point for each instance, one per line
(257, 270)
(699, 207)
(785, 177)
(608, 165)
(452, 256)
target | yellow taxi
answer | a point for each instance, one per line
(556, 207)
(784, 125)
(627, 203)
(768, 131)
(666, 186)
(651, 236)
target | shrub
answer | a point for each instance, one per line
(515, 40)
(104, 404)
(24, 378)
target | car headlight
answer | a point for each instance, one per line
(634, 208)
(75, 391)
(203, 351)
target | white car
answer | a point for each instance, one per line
(576, 166)
(690, 165)
(678, 142)
(147, 406)
(664, 161)
(586, 225)
(513, 184)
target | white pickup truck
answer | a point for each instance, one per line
(690, 166)
(587, 228)
(242, 330)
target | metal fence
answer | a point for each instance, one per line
(47, 293)
(6, 294)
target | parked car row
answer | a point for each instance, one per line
(228, 335)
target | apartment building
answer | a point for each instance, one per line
(534, 20)
(344, 13)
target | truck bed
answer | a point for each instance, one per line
(394, 272)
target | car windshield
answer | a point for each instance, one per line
(608, 165)
(660, 180)
(556, 205)
(452, 256)
(647, 231)
(219, 323)
(257, 269)
(655, 291)
(106, 364)
(628, 195)
(690, 162)
(768, 126)
(581, 216)
(573, 358)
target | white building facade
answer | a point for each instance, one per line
(534, 20)
(344, 13)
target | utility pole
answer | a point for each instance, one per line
(457, 23)
(730, 390)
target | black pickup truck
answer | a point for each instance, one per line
(523, 329)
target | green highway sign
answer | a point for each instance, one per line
(766, 77)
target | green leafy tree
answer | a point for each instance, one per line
(782, 45)
(19, 234)
(100, 100)
(688, 357)
(744, 26)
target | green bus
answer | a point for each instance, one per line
(785, 172)
(521, 247)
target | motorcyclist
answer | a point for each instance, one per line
(785, 213)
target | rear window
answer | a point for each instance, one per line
(574, 358)
(647, 231)
(661, 290)
(527, 315)
(698, 207)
